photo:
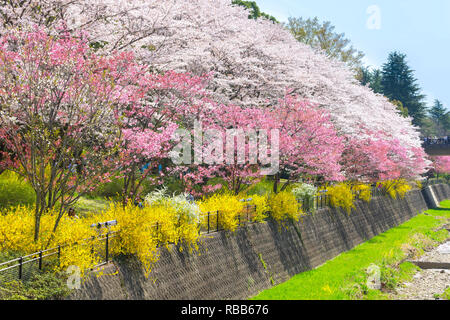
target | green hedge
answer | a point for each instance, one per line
(15, 191)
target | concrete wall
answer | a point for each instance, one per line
(239, 265)
(442, 191)
(435, 194)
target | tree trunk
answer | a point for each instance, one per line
(285, 185)
(37, 217)
(275, 183)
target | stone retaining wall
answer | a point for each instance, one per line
(254, 258)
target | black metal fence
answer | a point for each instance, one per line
(23, 268)
(315, 203)
(213, 221)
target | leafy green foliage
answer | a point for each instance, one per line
(14, 191)
(321, 35)
(446, 294)
(255, 11)
(42, 286)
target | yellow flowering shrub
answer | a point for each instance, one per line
(141, 231)
(396, 188)
(284, 206)
(228, 206)
(363, 191)
(262, 207)
(419, 184)
(17, 235)
(181, 215)
(137, 234)
(188, 234)
(341, 195)
(79, 255)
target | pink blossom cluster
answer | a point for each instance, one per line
(112, 81)
(441, 164)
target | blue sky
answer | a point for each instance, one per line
(418, 28)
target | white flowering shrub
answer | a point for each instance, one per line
(305, 193)
(180, 203)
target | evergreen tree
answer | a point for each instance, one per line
(364, 76)
(438, 111)
(398, 83)
(375, 81)
(440, 117)
(371, 78)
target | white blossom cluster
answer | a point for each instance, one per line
(251, 62)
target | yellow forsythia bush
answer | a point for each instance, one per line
(396, 188)
(284, 206)
(261, 202)
(363, 191)
(137, 234)
(419, 184)
(228, 206)
(17, 235)
(341, 195)
(142, 230)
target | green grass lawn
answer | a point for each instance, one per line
(345, 276)
(90, 205)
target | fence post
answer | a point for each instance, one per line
(92, 248)
(209, 213)
(20, 267)
(217, 220)
(40, 260)
(107, 247)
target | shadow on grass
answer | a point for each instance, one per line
(440, 209)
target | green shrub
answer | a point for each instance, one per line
(42, 286)
(111, 190)
(263, 187)
(15, 191)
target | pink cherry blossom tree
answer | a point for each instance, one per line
(57, 117)
(161, 103)
(253, 61)
(308, 144)
(441, 164)
(374, 156)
